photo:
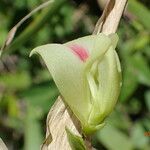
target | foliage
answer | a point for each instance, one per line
(75, 141)
(26, 94)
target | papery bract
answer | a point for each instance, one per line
(88, 75)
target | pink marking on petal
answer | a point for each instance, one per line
(80, 51)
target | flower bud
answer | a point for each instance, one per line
(87, 73)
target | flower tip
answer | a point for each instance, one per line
(34, 51)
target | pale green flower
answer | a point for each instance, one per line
(87, 73)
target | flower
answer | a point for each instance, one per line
(87, 73)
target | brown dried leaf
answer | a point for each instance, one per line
(58, 119)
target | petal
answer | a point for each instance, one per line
(101, 44)
(67, 72)
(100, 48)
(109, 79)
(114, 39)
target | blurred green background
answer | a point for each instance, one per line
(27, 91)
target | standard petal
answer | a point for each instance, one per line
(67, 71)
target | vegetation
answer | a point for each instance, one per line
(26, 92)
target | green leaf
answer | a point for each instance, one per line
(113, 139)
(137, 68)
(141, 68)
(126, 92)
(140, 11)
(137, 136)
(116, 117)
(134, 106)
(137, 43)
(15, 81)
(75, 141)
(33, 130)
(147, 99)
(41, 96)
(146, 123)
(13, 109)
